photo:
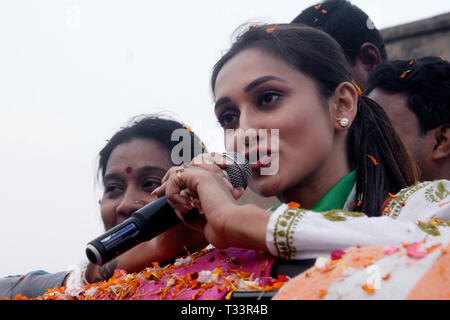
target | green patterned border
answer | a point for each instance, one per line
(284, 228)
(397, 203)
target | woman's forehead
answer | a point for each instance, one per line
(138, 153)
(250, 64)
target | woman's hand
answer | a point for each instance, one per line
(223, 222)
(216, 163)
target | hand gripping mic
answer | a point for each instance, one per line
(155, 218)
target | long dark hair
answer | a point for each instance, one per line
(374, 149)
(153, 127)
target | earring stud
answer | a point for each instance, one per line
(343, 122)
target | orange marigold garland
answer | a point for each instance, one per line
(169, 282)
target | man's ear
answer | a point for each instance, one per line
(441, 147)
(345, 105)
(369, 56)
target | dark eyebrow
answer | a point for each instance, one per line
(221, 101)
(250, 87)
(152, 169)
(112, 176)
(147, 169)
(260, 81)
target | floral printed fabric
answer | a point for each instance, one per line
(411, 215)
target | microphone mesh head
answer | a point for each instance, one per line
(240, 172)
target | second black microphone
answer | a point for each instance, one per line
(154, 218)
(143, 225)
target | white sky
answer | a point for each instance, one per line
(73, 71)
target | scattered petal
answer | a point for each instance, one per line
(415, 250)
(375, 162)
(403, 75)
(389, 249)
(392, 195)
(368, 288)
(337, 254)
(293, 205)
(357, 88)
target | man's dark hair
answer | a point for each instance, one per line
(346, 23)
(426, 83)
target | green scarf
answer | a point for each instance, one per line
(335, 197)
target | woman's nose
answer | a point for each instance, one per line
(132, 202)
(243, 138)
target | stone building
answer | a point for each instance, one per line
(419, 38)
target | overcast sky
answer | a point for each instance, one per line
(73, 71)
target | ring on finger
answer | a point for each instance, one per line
(179, 171)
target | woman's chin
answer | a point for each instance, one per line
(265, 186)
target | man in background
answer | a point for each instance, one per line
(353, 30)
(416, 96)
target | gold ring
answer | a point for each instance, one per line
(179, 171)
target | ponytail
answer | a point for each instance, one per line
(382, 163)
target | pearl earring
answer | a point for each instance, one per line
(343, 122)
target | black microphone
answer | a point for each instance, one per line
(155, 218)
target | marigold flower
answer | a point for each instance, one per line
(430, 249)
(293, 205)
(357, 88)
(322, 293)
(387, 276)
(403, 75)
(375, 162)
(368, 288)
(392, 195)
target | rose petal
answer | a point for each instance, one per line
(389, 249)
(337, 254)
(415, 250)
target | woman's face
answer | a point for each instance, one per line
(133, 171)
(257, 91)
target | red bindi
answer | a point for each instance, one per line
(128, 170)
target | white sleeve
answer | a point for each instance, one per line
(295, 233)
